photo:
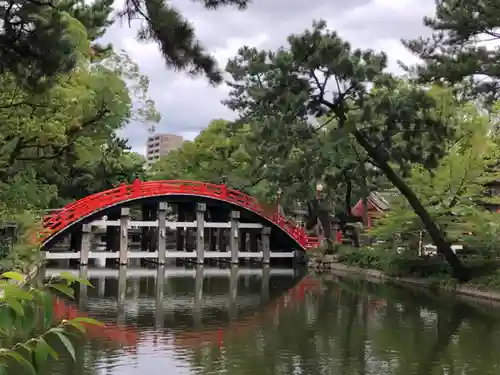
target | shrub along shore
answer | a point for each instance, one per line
(374, 264)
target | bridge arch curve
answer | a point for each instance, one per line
(59, 223)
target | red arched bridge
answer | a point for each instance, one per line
(202, 209)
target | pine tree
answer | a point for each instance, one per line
(460, 53)
(459, 49)
(37, 37)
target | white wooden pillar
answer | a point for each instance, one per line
(124, 224)
(234, 237)
(200, 232)
(86, 242)
(162, 232)
(266, 245)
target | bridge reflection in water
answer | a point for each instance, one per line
(183, 307)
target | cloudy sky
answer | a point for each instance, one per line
(187, 105)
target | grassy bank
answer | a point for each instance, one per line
(432, 270)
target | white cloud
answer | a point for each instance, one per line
(187, 105)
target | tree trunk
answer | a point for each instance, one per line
(364, 201)
(324, 219)
(348, 195)
(459, 271)
(365, 209)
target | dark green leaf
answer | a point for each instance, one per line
(47, 309)
(77, 325)
(87, 320)
(66, 343)
(41, 352)
(6, 321)
(68, 277)
(15, 291)
(64, 289)
(13, 275)
(15, 305)
(22, 361)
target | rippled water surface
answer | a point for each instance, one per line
(273, 321)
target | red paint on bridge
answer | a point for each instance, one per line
(61, 220)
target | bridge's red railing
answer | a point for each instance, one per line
(56, 222)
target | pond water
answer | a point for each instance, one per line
(273, 321)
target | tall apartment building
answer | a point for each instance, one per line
(160, 145)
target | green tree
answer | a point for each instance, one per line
(221, 153)
(63, 141)
(30, 28)
(452, 192)
(94, 170)
(460, 48)
(394, 122)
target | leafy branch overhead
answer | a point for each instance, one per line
(30, 28)
(19, 305)
(462, 48)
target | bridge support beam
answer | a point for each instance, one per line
(162, 232)
(86, 242)
(200, 232)
(124, 221)
(234, 236)
(266, 245)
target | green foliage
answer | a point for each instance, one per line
(452, 193)
(58, 140)
(22, 253)
(394, 123)
(392, 263)
(20, 305)
(490, 281)
(30, 28)
(460, 48)
(364, 257)
(61, 144)
(221, 153)
(175, 35)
